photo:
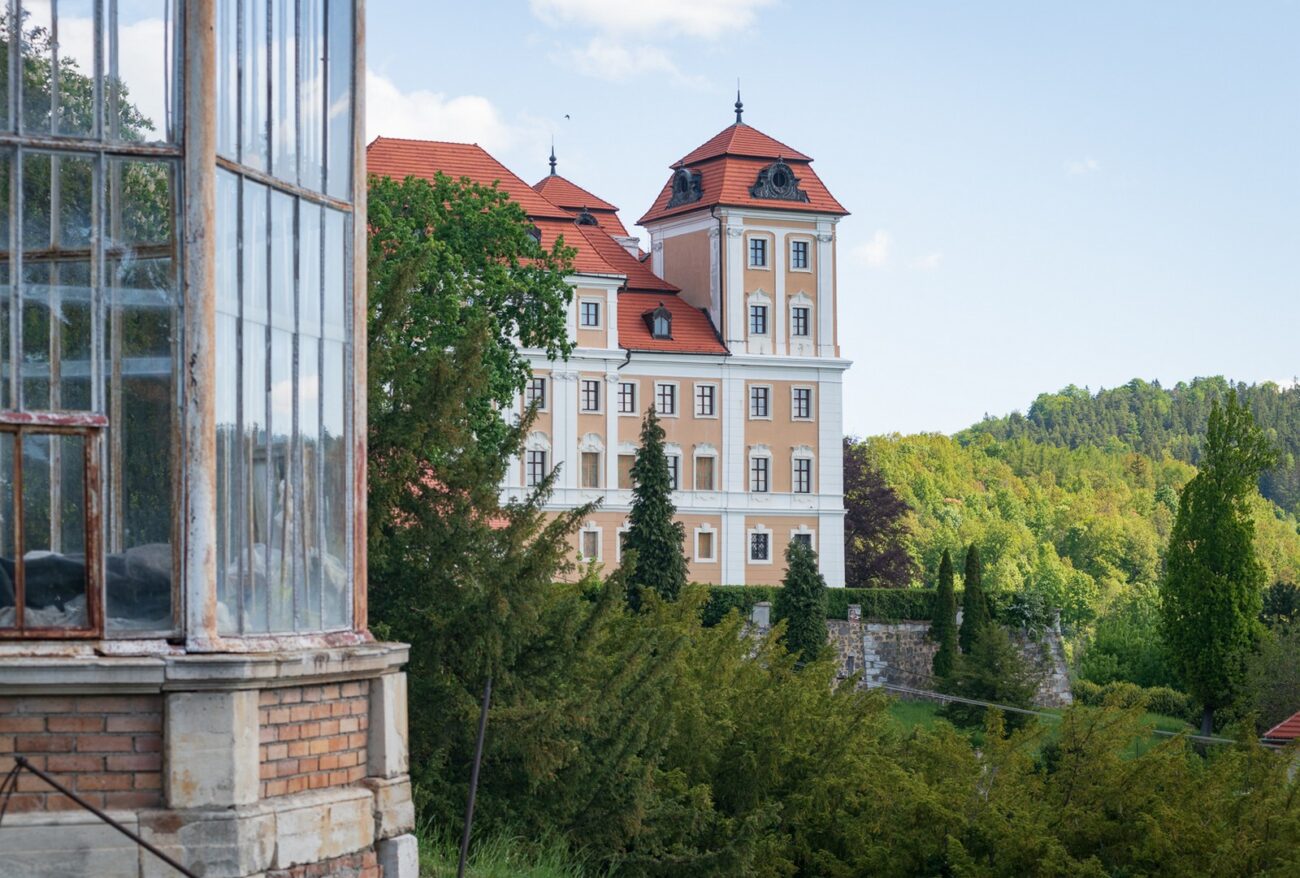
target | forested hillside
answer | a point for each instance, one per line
(1150, 419)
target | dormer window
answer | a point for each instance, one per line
(535, 233)
(586, 218)
(686, 187)
(660, 321)
(778, 183)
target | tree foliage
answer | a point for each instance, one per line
(653, 532)
(975, 615)
(943, 630)
(801, 602)
(875, 526)
(993, 671)
(1211, 591)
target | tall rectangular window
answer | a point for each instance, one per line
(799, 321)
(590, 314)
(590, 469)
(674, 472)
(799, 255)
(666, 399)
(627, 398)
(534, 467)
(760, 546)
(759, 474)
(801, 403)
(591, 545)
(625, 462)
(706, 400)
(804, 538)
(535, 393)
(758, 252)
(590, 395)
(802, 475)
(704, 467)
(704, 550)
(760, 402)
(758, 320)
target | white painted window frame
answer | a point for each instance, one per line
(749, 401)
(600, 396)
(588, 528)
(677, 398)
(636, 393)
(769, 244)
(717, 399)
(713, 531)
(700, 451)
(812, 403)
(749, 545)
(808, 253)
(600, 313)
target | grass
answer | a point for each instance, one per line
(498, 856)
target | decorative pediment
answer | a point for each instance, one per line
(585, 218)
(777, 182)
(686, 187)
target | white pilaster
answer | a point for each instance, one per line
(611, 430)
(733, 548)
(830, 545)
(733, 295)
(825, 315)
(715, 276)
(657, 253)
(830, 475)
(564, 417)
(779, 320)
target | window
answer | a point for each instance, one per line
(706, 400)
(802, 475)
(627, 398)
(621, 545)
(674, 471)
(760, 402)
(666, 399)
(590, 395)
(758, 320)
(589, 311)
(705, 550)
(625, 462)
(589, 545)
(535, 462)
(758, 252)
(536, 393)
(799, 255)
(801, 403)
(760, 546)
(660, 321)
(804, 537)
(799, 315)
(759, 473)
(704, 467)
(590, 466)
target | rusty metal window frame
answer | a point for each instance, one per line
(101, 144)
(243, 476)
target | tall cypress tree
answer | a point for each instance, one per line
(802, 602)
(653, 533)
(974, 604)
(943, 629)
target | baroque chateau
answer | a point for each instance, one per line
(726, 326)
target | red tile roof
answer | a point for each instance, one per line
(566, 193)
(693, 331)
(400, 158)
(1287, 730)
(741, 139)
(726, 180)
(639, 275)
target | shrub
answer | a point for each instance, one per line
(1124, 695)
(1170, 702)
(1086, 692)
(725, 598)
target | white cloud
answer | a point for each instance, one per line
(609, 59)
(928, 262)
(876, 251)
(1075, 167)
(432, 115)
(707, 19)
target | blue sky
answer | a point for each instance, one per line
(1041, 193)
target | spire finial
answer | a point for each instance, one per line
(552, 156)
(740, 108)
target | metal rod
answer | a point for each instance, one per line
(22, 761)
(473, 777)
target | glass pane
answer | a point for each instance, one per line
(143, 340)
(336, 254)
(58, 195)
(309, 567)
(139, 69)
(282, 258)
(309, 268)
(76, 67)
(253, 100)
(311, 54)
(37, 45)
(228, 78)
(284, 91)
(334, 487)
(8, 556)
(339, 147)
(229, 497)
(6, 123)
(54, 530)
(255, 473)
(6, 289)
(282, 487)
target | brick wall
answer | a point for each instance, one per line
(105, 748)
(313, 737)
(363, 864)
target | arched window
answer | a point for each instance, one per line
(660, 321)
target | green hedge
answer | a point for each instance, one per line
(889, 604)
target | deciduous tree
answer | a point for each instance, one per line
(876, 553)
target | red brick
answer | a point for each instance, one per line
(268, 697)
(266, 771)
(23, 802)
(42, 704)
(299, 748)
(105, 743)
(291, 696)
(351, 724)
(330, 761)
(289, 732)
(300, 713)
(76, 723)
(338, 778)
(309, 730)
(330, 727)
(137, 799)
(75, 762)
(356, 740)
(297, 784)
(358, 708)
(311, 693)
(43, 743)
(312, 763)
(266, 733)
(279, 715)
(112, 704)
(276, 751)
(22, 724)
(6, 744)
(30, 783)
(351, 690)
(148, 780)
(104, 782)
(148, 744)
(143, 722)
(135, 762)
(330, 692)
(275, 788)
(318, 781)
(341, 708)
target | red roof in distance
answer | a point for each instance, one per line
(1286, 731)
(693, 331)
(741, 139)
(574, 199)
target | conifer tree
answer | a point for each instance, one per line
(1211, 592)
(974, 604)
(802, 602)
(943, 629)
(653, 533)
